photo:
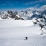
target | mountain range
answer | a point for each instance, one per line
(27, 14)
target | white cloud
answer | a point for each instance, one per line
(10, 3)
(16, 2)
(42, 8)
(3, 4)
(29, 3)
(42, 0)
(33, 2)
(36, 5)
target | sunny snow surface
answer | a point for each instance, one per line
(13, 33)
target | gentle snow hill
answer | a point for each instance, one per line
(13, 33)
(17, 28)
(15, 23)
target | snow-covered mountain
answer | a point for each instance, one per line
(27, 14)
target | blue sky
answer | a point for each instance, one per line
(20, 4)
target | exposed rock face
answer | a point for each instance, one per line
(4, 16)
(18, 18)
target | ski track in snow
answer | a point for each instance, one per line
(13, 33)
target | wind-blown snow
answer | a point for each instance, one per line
(13, 33)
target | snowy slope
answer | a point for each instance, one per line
(13, 33)
(15, 23)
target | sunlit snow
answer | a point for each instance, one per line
(13, 33)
